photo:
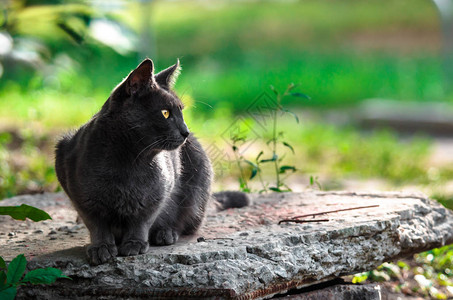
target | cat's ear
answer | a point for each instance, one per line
(167, 78)
(141, 77)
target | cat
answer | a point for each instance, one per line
(134, 172)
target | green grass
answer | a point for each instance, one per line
(325, 150)
(332, 80)
(338, 80)
(248, 46)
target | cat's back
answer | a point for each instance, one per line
(69, 150)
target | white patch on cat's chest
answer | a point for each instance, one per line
(164, 167)
(161, 161)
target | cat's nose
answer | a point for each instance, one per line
(185, 133)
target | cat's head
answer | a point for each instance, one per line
(145, 103)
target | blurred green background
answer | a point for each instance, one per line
(59, 61)
(341, 52)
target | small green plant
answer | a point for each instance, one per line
(314, 182)
(277, 139)
(11, 276)
(276, 158)
(431, 271)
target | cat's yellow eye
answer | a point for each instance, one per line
(165, 113)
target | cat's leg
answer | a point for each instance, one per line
(102, 247)
(135, 237)
(166, 228)
(163, 233)
(183, 216)
(192, 207)
(185, 212)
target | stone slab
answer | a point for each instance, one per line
(245, 253)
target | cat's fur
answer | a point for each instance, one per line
(134, 176)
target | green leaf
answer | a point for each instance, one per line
(9, 293)
(360, 277)
(301, 95)
(274, 158)
(24, 211)
(43, 276)
(259, 155)
(253, 174)
(314, 180)
(278, 190)
(283, 169)
(15, 269)
(290, 112)
(3, 284)
(2, 264)
(403, 265)
(289, 146)
(254, 168)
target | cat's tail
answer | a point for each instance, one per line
(231, 199)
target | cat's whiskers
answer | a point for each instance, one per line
(195, 146)
(133, 127)
(198, 101)
(165, 139)
(188, 156)
(141, 139)
(145, 136)
(147, 147)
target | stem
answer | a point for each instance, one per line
(240, 169)
(274, 144)
(260, 176)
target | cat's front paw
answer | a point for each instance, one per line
(133, 247)
(99, 254)
(163, 237)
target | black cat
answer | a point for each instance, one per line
(134, 172)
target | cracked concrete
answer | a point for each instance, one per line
(244, 253)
